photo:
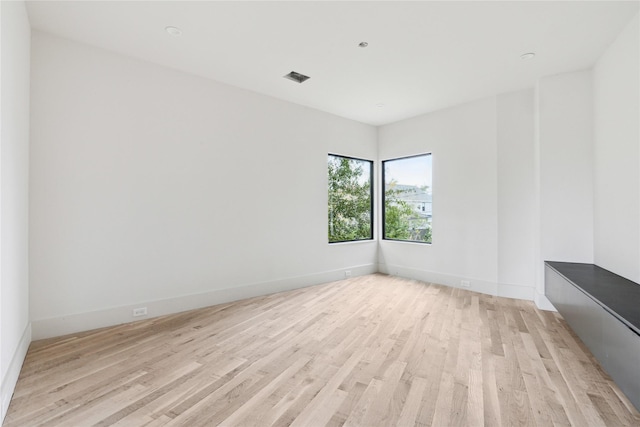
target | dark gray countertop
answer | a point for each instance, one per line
(619, 296)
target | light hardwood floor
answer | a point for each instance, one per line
(368, 351)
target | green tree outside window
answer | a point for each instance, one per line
(407, 199)
(350, 199)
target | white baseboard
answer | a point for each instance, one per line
(476, 285)
(57, 326)
(509, 290)
(543, 303)
(13, 372)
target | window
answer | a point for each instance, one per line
(350, 199)
(406, 199)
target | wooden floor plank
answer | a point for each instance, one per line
(371, 350)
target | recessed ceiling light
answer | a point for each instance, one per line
(174, 31)
(379, 105)
(297, 77)
(528, 55)
(363, 44)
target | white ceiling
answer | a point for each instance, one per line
(422, 56)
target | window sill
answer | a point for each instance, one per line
(352, 242)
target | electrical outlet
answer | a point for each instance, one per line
(347, 274)
(142, 311)
(465, 283)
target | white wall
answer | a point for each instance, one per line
(617, 155)
(483, 195)
(15, 332)
(564, 170)
(517, 207)
(462, 141)
(151, 187)
(565, 107)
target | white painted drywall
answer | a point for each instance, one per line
(462, 141)
(150, 184)
(14, 210)
(617, 155)
(516, 188)
(566, 166)
(483, 195)
(564, 171)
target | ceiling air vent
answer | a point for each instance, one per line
(296, 77)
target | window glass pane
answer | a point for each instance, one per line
(350, 199)
(407, 199)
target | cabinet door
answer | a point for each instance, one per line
(584, 316)
(621, 348)
(581, 312)
(554, 285)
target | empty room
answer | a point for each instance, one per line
(320, 213)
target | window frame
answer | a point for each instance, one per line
(371, 199)
(383, 192)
